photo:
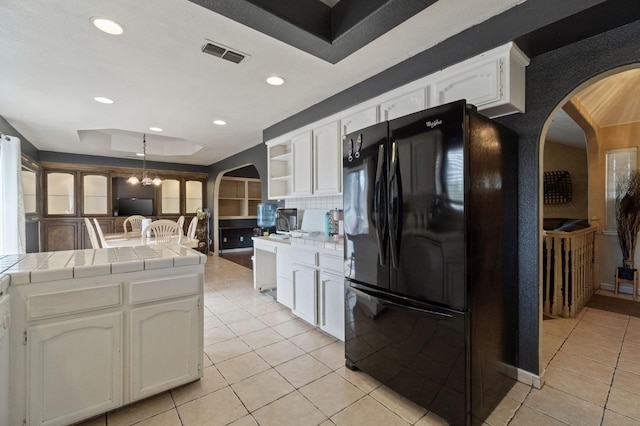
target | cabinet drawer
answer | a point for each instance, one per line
(164, 288)
(64, 302)
(269, 246)
(331, 264)
(305, 257)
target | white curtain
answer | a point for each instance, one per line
(12, 235)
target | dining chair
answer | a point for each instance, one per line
(180, 223)
(190, 240)
(136, 223)
(103, 242)
(92, 234)
(191, 232)
(161, 231)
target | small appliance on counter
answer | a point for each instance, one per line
(314, 221)
(286, 220)
(336, 223)
(266, 219)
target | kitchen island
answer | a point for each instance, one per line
(93, 330)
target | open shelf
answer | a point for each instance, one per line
(238, 198)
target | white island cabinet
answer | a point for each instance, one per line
(93, 330)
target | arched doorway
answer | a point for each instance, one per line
(551, 80)
(605, 108)
(237, 192)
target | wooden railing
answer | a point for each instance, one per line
(568, 259)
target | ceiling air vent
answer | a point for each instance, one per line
(223, 52)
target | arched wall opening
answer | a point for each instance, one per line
(551, 79)
(216, 199)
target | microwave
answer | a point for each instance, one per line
(286, 220)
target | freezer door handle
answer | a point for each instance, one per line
(378, 202)
(375, 297)
(394, 205)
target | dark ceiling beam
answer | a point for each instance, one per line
(596, 20)
(328, 33)
(311, 16)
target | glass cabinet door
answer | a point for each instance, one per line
(193, 196)
(170, 196)
(61, 189)
(30, 191)
(95, 190)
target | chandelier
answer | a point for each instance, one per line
(146, 180)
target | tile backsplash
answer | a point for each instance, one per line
(328, 202)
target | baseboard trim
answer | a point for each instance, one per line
(235, 250)
(530, 379)
(625, 288)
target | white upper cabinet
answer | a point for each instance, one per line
(301, 145)
(327, 153)
(359, 120)
(478, 86)
(403, 105)
(494, 82)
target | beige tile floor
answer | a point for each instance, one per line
(264, 366)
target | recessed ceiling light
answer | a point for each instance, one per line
(103, 100)
(107, 26)
(140, 154)
(155, 129)
(274, 80)
(219, 122)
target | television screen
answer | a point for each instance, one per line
(131, 206)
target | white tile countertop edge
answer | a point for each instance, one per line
(316, 242)
(38, 267)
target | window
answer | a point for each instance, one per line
(61, 193)
(30, 188)
(193, 196)
(95, 188)
(620, 162)
(170, 196)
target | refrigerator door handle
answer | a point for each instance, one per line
(379, 221)
(394, 205)
(386, 302)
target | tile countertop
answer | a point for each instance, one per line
(57, 265)
(318, 241)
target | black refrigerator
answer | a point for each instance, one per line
(430, 228)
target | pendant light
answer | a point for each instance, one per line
(146, 180)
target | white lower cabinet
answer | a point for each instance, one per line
(331, 318)
(164, 340)
(305, 290)
(75, 368)
(318, 290)
(84, 346)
